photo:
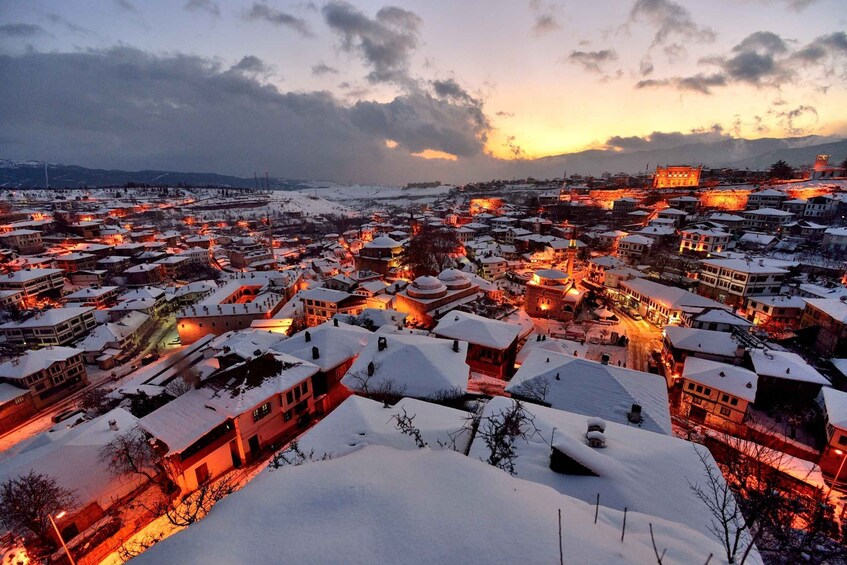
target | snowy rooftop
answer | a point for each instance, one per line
(756, 266)
(702, 341)
(477, 330)
(720, 316)
(642, 471)
(835, 404)
(383, 505)
(335, 344)
(785, 365)
(731, 379)
(359, 422)
(553, 345)
(832, 307)
(50, 317)
(591, 388)
(71, 456)
(419, 366)
(670, 296)
(36, 360)
(26, 275)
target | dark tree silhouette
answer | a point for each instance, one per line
(28, 501)
(431, 251)
(781, 170)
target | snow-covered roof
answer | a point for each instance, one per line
(26, 275)
(36, 360)
(637, 239)
(72, 457)
(383, 242)
(359, 422)
(702, 341)
(416, 366)
(672, 297)
(832, 307)
(835, 404)
(324, 295)
(591, 388)
(477, 330)
(785, 365)
(755, 266)
(336, 344)
(384, 505)
(720, 316)
(648, 472)
(731, 379)
(551, 344)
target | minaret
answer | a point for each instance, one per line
(571, 255)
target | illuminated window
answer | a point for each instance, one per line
(261, 411)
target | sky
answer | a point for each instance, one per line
(408, 91)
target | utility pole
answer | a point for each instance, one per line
(46, 178)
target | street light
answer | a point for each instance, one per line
(58, 533)
(837, 473)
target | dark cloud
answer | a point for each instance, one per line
(763, 59)
(698, 83)
(450, 89)
(675, 52)
(669, 19)
(183, 112)
(504, 114)
(592, 61)
(384, 43)
(126, 5)
(323, 69)
(666, 140)
(645, 67)
(208, 6)
(70, 26)
(263, 12)
(545, 23)
(20, 30)
(799, 120)
(251, 64)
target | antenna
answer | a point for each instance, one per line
(268, 180)
(46, 178)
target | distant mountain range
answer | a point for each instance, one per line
(22, 174)
(754, 154)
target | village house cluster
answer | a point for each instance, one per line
(636, 329)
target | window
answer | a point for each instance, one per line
(725, 398)
(286, 416)
(696, 400)
(289, 397)
(708, 392)
(725, 411)
(734, 402)
(261, 411)
(305, 387)
(699, 388)
(842, 439)
(690, 386)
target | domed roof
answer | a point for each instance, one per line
(454, 279)
(426, 287)
(382, 241)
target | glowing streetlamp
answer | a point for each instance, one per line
(837, 473)
(58, 533)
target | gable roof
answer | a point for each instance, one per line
(591, 388)
(731, 379)
(477, 330)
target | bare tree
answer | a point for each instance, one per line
(727, 524)
(533, 390)
(28, 501)
(194, 506)
(132, 453)
(406, 425)
(501, 430)
(294, 456)
(95, 401)
(367, 382)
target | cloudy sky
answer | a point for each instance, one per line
(402, 91)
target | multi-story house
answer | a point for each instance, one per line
(768, 220)
(829, 315)
(23, 241)
(768, 198)
(703, 241)
(321, 304)
(33, 282)
(57, 326)
(50, 374)
(731, 281)
(634, 248)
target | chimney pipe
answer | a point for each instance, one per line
(371, 369)
(316, 354)
(381, 343)
(456, 345)
(604, 359)
(113, 425)
(307, 336)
